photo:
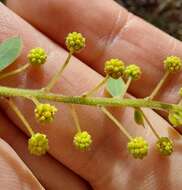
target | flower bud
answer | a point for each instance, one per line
(45, 113)
(172, 64)
(82, 140)
(75, 42)
(165, 146)
(138, 147)
(38, 144)
(133, 71)
(175, 117)
(37, 56)
(114, 68)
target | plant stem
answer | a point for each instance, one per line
(94, 101)
(150, 125)
(75, 118)
(55, 78)
(159, 85)
(97, 87)
(21, 116)
(34, 100)
(126, 86)
(14, 72)
(118, 124)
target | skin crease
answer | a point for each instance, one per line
(107, 164)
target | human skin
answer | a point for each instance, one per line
(107, 165)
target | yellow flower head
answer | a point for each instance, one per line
(82, 140)
(138, 147)
(165, 146)
(37, 56)
(38, 144)
(133, 71)
(114, 68)
(75, 42)
(172, 64)
(45, 113)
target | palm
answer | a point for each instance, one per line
(107, 165)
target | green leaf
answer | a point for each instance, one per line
(10, 49)
(138, 116)
(115, 87)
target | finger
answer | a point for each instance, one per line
(48, 171)
(123, 35)
(104, 164)
(14, 173)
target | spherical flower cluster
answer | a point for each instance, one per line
(75, 42)
(165, 146)
(38, 144)
(82, 140)
(175, 117)
(138, 147)
(172, 63)
(114, 68)
(37, 56)
(133, 71)
(45, 112)
(180, 92)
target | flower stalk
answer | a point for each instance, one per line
(56, 77)
(75, 118)
(126, 86)
(118, 124)
(14, 72)
(158, 87)
(20, 116)
(96, 88)
(150, 124)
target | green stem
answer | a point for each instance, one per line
(150, 124)
(14, 72)
(55, 78)
(21, 116)
(118, 124)
(75, 118)
(159, 85)
(96, 88)
(94, 101)
(34, 100)
(126, 86)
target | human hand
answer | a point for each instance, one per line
(107, 165)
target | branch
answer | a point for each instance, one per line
(93, 101)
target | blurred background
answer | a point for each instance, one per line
(165, 14)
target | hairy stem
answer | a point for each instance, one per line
(55, 78)
(20, 115)
(118, 124)
(93, 101)
(14, 72)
